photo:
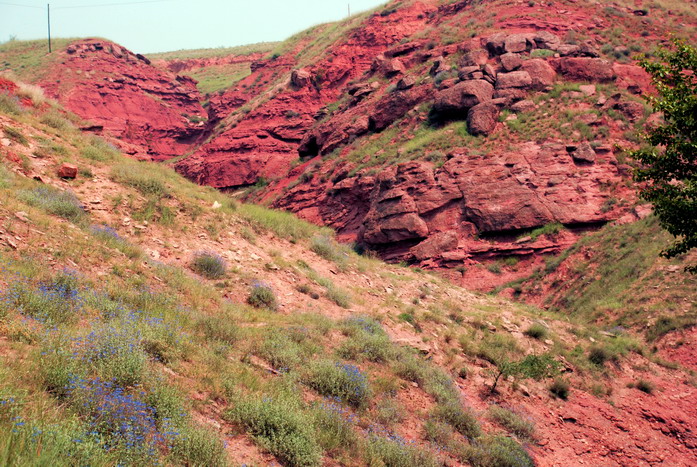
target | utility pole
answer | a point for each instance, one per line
(349, 10)
(48, 12)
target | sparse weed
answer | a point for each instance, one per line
(54, 201)
(334, 379)
(209, 265)
(262, 296)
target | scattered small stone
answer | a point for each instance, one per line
(217, 205)
(587, 89)
(22, 216)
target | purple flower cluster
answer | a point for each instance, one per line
(48, 303)
(333, 405)
(357, 382)
(368, 325)
(379, 431)
(120, 419)
(104, 231)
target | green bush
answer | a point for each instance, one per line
(54, 201)
(513, 422)
(137, 176)
(339, 296)
(560, 388)
(599, 355)
(198, 447)
(262, 296)
(496, 451)
(464, 421)
(209, 265)
(549, 229)
(334, 379)
(281, 427)
(645, 386)
(221, 328)
(393, 451)
(325, 247)
(376, 348)
(283, 224)
(537, 331)
(334, 427)
(281, 352)
(99, 150)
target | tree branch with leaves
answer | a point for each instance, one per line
(668, 164)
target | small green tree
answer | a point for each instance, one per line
(668, 167)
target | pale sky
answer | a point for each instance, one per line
(147, 26)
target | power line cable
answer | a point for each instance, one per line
(112, 4)
(87, 6)
(20, 5)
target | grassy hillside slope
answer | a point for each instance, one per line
(148, 320)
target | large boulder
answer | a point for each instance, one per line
(477, 57)
(495, 43)
(300, 78)
(387, 66)
(516, 43)
(546, 40)
(511, 62)
(482, 118)
(541, 73)
(584, 153)
(434, 245)
(514, 79)
(463, 96)
(585, 69)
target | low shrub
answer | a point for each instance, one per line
(220, 328)
(599, 355)
(123, 421)
(645, 386)
(262, 296)
(56, 121)
(343, 381)
(548, 229)
(197, 446)
(463, 421)
(391, 450)
(334, 426)
(325, 247)
(115, 350)
(560, 388)
(537, 331)
(499, 451)
(283, 224)
(280, 427)
(282, 353)
(339, 296)
(15, 135)
(49, 303)
(54, 201)
(111, 238)
(513, 422)
(354, 325)
(208, 264)
(135, 175)
(373, 347)
(10, 105)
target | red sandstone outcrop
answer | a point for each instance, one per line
(121, 93)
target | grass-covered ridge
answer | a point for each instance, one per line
(134, 302)
(215, 52)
